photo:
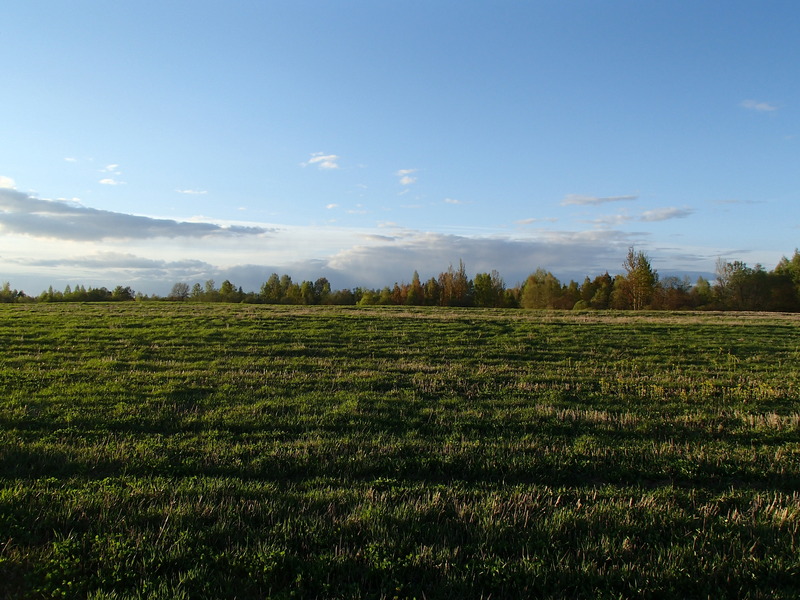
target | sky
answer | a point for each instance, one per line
(147, 143)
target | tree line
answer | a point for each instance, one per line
(737, 287)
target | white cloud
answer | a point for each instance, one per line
(112, 169)
(736, 201)
(323, 161)
(663, 214)
(71, 159)
(611, 220)
(535, 220)
(648, 216)
(405, 176)
(331, 206)
(592, 200)
(759, 106)
(452, 201)
(192, 192)
(113, 259)
(7, 183)
(374, 237)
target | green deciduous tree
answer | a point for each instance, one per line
(602, 286)
(701, 293)
(489, 289)
(123, 293)
(640, 279)
(433, 292)
(227, 288)
(8, 295)
(540, 290)
(738, 287)
(271, 290)
(789, 269)
(570, 296)
(322, 291)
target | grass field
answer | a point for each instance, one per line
(154, 450)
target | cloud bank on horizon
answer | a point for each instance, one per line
(63, 220)
(108, 248)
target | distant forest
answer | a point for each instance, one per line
(736, 287)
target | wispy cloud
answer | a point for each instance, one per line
(323, 161)
(192, 192)
(27, 215)
(114, 260)
(611, 220)
(664, 214)
(759, 106)
(374, 237)
(70, 159)
(112, 169)
(405, 176)
(578, 199)
(7, 183)
(648, 216)
(736, 201)
(531, 221)
(331, 206)
(452, 201)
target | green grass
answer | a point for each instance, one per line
(223, 451)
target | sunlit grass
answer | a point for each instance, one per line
(223, 451)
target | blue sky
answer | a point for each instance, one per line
(145, 143)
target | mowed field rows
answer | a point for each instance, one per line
(169, 450)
